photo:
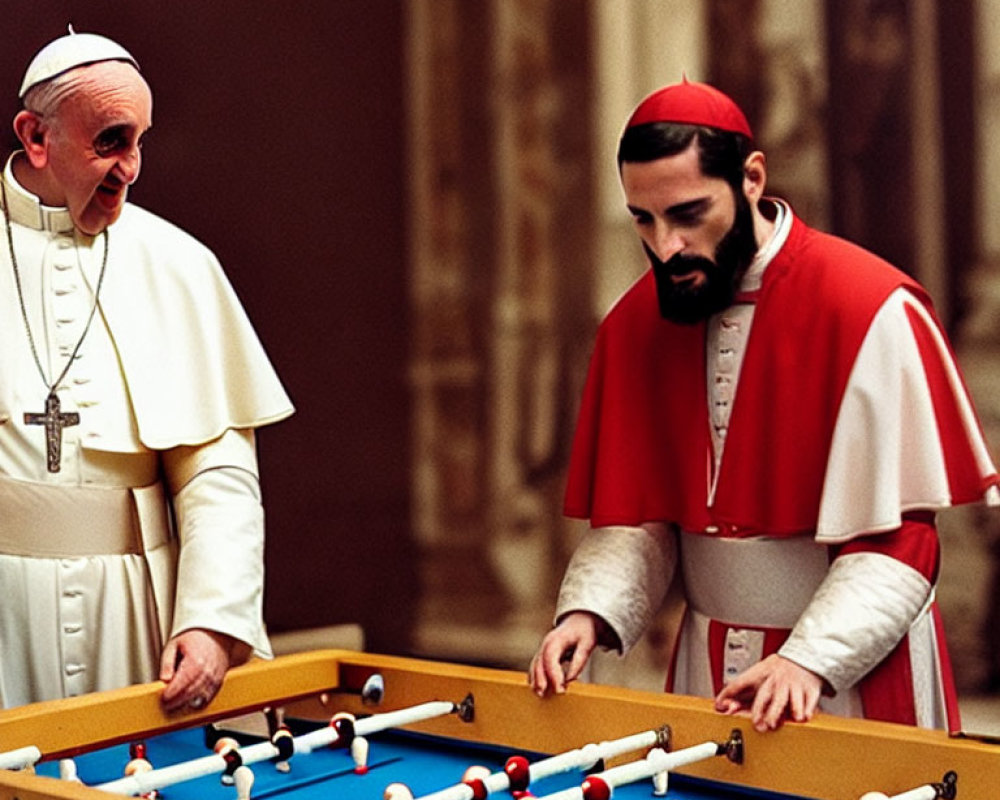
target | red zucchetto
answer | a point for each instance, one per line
(692, 104)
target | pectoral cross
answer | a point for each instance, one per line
(54, 422)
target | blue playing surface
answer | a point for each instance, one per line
(425, 764)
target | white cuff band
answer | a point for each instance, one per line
(621, 574)
(861, 611)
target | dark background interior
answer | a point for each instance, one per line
(278, 140)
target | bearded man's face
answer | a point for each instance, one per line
(697, 232)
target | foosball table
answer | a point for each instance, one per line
(341, 724)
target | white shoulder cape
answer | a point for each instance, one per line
(192, 362)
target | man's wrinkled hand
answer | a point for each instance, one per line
(193, 666)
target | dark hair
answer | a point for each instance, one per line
(721, 153)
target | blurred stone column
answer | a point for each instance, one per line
(501, 231)
(869, 126)
(452, 244)
(540, 329)
(969, 588)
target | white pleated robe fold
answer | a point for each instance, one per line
(170, 360)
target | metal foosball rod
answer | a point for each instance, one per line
(518, 774)
(946, 789)
(331, 735)
(657, 764)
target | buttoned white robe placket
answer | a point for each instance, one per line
(81, 624)
(70, 603)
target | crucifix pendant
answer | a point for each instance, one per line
(54, 422)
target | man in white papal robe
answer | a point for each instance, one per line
(131, 383)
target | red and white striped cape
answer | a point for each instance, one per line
(850, 427)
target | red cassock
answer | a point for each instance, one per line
(794, 466)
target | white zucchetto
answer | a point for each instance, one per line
(71, 51)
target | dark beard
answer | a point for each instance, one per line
(688, 305)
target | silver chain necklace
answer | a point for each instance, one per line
(53, 420)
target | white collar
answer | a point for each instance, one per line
(28, 210)
(782, 225)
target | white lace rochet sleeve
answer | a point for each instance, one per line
(621, 574)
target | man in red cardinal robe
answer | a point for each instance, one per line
(776, 415)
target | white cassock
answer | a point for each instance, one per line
(153, 524)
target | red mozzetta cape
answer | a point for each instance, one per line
(642, 449)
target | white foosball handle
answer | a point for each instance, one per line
(920, 793)
(21, 758)
(946, 789)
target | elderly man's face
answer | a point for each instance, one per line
(95, 138)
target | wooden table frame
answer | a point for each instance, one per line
(829, 758)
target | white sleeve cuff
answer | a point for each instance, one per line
(860, 612)
(621, 574)
(220, 572)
